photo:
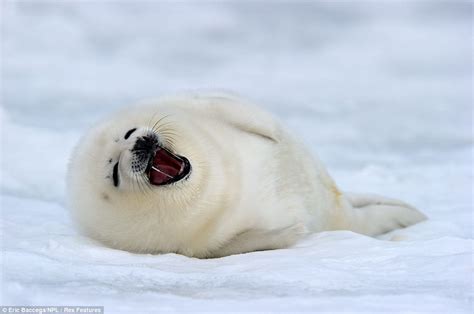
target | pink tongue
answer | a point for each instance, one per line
(165, 167)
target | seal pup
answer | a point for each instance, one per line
(210, 175)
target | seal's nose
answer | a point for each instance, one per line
(145, 144)
(143, 151)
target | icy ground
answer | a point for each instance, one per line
(382, 92)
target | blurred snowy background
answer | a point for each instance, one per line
(380, 90)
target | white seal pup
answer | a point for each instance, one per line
(209, 176)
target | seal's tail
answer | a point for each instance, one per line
(373, 214)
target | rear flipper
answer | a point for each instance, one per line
(374, 215)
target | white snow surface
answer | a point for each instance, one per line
(380, 91)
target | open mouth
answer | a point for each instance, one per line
(166, 168)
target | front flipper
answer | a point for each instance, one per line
(260, 240)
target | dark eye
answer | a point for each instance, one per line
(129, 132)
(115, 175)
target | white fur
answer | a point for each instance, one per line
(252, 185)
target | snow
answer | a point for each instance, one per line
(380, 91)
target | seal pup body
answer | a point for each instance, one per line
(209, 176)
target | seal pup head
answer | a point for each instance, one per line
(132, 176)
(148, 160)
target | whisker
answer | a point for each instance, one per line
(152, 118)
(154, 127)
(166, 131)
(145, 180)
(135, 187)
(165, 127)
(140, 183)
